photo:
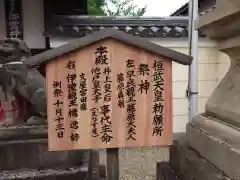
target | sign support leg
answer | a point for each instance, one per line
(94, 165)
(112, 164)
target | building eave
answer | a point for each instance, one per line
(79, 26)
(181, 10)
(184, 9)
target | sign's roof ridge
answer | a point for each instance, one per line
(108, 33)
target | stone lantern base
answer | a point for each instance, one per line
(209, 150)
(211, 147)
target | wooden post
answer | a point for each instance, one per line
(112, 164)
(94, 165)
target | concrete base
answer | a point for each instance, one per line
(24, 155)
(189, 165)
(23, 132)
(140, 163)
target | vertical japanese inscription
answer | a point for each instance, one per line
(94, 122)
(14, 23)
(83, 92)
(57, 92)
(97, 95)
(144, 84)
(131, 100)
(158, 103)
(120, 90)
(102, 63)
(72, 101)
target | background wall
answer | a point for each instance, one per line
(212, 66)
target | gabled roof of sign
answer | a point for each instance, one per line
(79, 26)
(104, 34)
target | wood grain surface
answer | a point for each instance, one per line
(118, 54)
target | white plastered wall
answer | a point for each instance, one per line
(212, 66)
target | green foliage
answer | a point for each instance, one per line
(96, 7)
(124, 8)
(114, 8)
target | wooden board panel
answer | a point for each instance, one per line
(123, 98)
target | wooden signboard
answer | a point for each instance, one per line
(108, 93)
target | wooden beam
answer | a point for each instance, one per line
(112, 164)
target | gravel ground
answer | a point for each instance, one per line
(138, 163)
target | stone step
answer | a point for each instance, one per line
(73, 173)
(32, 153)
(22, 132)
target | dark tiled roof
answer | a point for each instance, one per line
(79, 26)
(183, 11)
(108, 33)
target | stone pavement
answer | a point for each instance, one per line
(138, 163)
